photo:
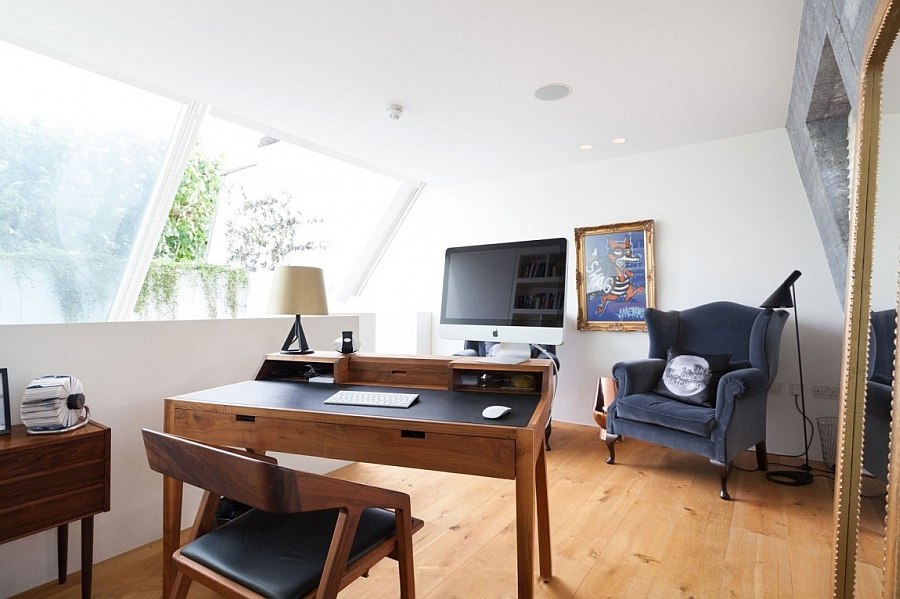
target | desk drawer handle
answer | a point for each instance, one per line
(412, 434)
(245, 418)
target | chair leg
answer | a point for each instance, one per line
(547, 432)
(180, 587)
(404, 554)
(762, 458)
(611, 446)
(724, 473)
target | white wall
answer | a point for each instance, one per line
(127, 370)
(731, 222)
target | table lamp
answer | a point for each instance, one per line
(297, 290)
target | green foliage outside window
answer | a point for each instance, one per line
(186, 234)
(180, 257)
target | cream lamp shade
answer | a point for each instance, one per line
(297, 290)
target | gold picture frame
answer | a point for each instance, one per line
(614, 276)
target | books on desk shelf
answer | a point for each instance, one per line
(53, 403)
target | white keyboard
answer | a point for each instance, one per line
(373, 398)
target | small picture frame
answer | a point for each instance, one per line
(5, 421)
(614, 276)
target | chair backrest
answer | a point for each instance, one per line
(239, 477)
(882, 345)
(751, 336)
(259, 483)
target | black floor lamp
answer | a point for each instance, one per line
(786, 297)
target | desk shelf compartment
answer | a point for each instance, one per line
(301, 367)
(497, 378)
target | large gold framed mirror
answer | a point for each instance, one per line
(866, 526)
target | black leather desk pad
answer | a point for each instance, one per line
(432, 404)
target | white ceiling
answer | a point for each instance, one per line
(659, 73)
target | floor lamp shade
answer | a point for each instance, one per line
(297, 290)
(783, 297)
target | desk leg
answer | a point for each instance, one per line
(62, 552)
(87, 556)
(543, 516)
(172, 494)
(525, 504)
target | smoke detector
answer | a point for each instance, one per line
(394, 112)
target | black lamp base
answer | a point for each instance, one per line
(793, 478)
(296, 334)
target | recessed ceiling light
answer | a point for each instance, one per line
(585, 146)
(554, 91)
(619, 140)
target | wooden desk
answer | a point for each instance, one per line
(48, 481)
(443, 430)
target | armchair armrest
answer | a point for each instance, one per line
(734, 385)
(742, 382)
(638, 376)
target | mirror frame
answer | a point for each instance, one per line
(848, 475)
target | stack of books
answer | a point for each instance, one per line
(53, 402)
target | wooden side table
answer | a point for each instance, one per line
(47, 481)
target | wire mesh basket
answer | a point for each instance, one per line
(828, 437)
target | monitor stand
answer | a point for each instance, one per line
(508, 353)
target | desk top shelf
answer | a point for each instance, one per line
(427, 372)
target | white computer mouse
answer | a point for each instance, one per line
(495, 411)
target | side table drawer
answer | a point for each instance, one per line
(47, 457)
(54, 482)
(51, 512)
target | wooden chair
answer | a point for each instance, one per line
(308, 536)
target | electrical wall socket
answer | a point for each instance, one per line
(794, 388)
(825, 392)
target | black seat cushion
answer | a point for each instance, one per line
(656, 409)
(281, 556)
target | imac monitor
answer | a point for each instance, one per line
(511, 293)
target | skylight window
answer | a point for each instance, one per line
(89, 169)
(80, 155)
(279, 203)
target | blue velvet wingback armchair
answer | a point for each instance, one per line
(672, 398)
(880, 379)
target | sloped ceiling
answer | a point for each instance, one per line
(659, 73)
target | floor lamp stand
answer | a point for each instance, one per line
(803, 476)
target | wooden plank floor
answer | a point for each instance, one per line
(650, 526)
